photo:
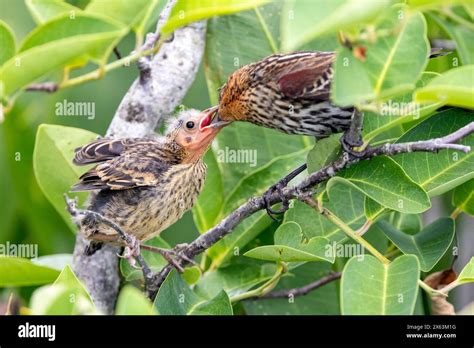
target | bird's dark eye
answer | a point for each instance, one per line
(190, 125)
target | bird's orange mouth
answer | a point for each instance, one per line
(207, 119)
(211, 119)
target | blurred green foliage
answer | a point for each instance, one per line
(260, 254)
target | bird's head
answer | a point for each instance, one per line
(193, 132)
(233, 96)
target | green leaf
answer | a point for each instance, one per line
(372, 209)
(226, 52)
(7, 39)
(150, 17)
(305, 20)
(185, 12)
(463, 37)
(59, 43)
(439, 172)
(192, 275)
(52, 163)
(56, 261)
(235, 278)
(60, 300)
(384, 181)
(463, 197)
(398, 111)
(69, 279)
(408, 223)
(467, 273)
(428, 245)
(427, 4)
(132, 301)
(16, 271)
(133, 14)
(154, 260)
(369, 287)
(176, 298)
(393, 63)
(323, 152)
(290, 248)
(314, 224)
(44, 10)
(219, 305)
(454, 87)
(67, 296)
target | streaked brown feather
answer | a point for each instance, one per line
(123, 163)
(308, 78)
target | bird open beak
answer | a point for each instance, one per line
(211, 119)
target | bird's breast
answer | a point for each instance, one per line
(295, 115)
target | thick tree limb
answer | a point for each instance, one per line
(255, 204)
(149, 100)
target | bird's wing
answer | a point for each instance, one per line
(100, 150)
(125, 164)
(306, 75)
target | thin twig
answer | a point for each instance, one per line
(255, 204)
(152, 40)
(301, 291)
(49, 87)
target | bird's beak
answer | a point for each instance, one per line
(207, 129)
(211, 119)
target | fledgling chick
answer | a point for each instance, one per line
(144, 185)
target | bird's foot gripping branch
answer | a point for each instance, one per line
(133, 247)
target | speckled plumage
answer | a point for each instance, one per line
(145, 185)
(288, 92)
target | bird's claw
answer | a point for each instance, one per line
(131, 250)
(278, 188)
(348, 146)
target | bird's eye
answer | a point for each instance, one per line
(190, 125)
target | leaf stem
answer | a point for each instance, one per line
(100, 72)
(265, 288)
(265, 29)
(456, 213)
(317, 205)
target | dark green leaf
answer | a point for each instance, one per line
(428, 245)
(369, 287)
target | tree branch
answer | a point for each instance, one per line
(147, 102)
(304, 290)
(255, 204)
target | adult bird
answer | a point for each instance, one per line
(144, 185)
(287, 92)
(290, 93)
